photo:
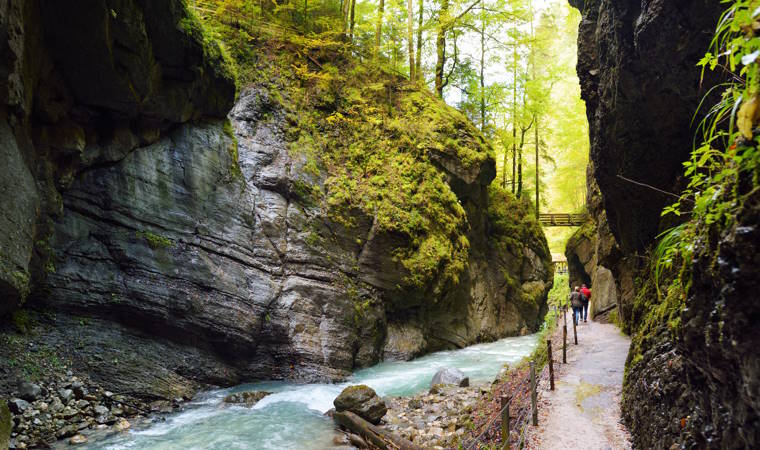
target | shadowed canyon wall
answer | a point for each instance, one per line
(691, 379)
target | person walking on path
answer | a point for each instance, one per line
(585, 299)
(577, 303)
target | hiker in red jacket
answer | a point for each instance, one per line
(586, 297)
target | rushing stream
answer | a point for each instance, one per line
(292, 417)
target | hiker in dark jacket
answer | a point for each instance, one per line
(585, 298)
(576, 303)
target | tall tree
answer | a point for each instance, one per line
(445, 24)
(418, 59)
(514, 106)
(351, 28)
(410, 37)
(482, 90)
(379, 27)
(440, 47)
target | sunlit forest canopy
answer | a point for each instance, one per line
(509, 66)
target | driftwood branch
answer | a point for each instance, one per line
(380, 438)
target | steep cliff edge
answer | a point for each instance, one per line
(690, 380)
(338, 217)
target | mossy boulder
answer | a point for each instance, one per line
(5, 424)
(362, 401)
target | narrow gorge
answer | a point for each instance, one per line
(162, 233)
(200, 198)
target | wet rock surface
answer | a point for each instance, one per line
(248, 398)
(637, 68)
(362, 401)
(70, 102)
(448, 375)
(56, 414)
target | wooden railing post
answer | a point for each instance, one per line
(551, 364)
(533, 393)
(564, 344)
(505, 401)
(575, 332)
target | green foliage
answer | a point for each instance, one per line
(723, 169)
(33, 366)
(22, 321)
(155, 241)
(512, 222)
(560, 292)
(213, 50)
(654, 314)
(374, 139)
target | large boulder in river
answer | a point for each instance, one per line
(248, 398)
(362, 401)
(450, 375)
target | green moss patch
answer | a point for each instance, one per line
(155, 241)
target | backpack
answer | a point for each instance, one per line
(575, 299)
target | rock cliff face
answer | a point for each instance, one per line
(594, 258)
(168, 247)
(689, 377)
(81, 90)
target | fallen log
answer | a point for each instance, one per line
(380, 438)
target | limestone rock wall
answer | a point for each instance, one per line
(84, 83)
(164, 235)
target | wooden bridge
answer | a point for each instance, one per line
(562, 219)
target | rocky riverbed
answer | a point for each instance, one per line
(434, 419)
(70, 408)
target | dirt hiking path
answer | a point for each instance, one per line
(583, 412)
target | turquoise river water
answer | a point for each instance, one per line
(292, 417)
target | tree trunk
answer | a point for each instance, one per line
(440, 47)
(379, 27)
(351, 27)
(482, 70)
(519, 158)
(514, 108)
(519, 171)
(374, 434)
(535, 131)
(504, 167)
(418, 60)
(410, 37)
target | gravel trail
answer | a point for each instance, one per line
(583, 412)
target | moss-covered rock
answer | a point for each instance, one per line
(5, 424)
(362, 401)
